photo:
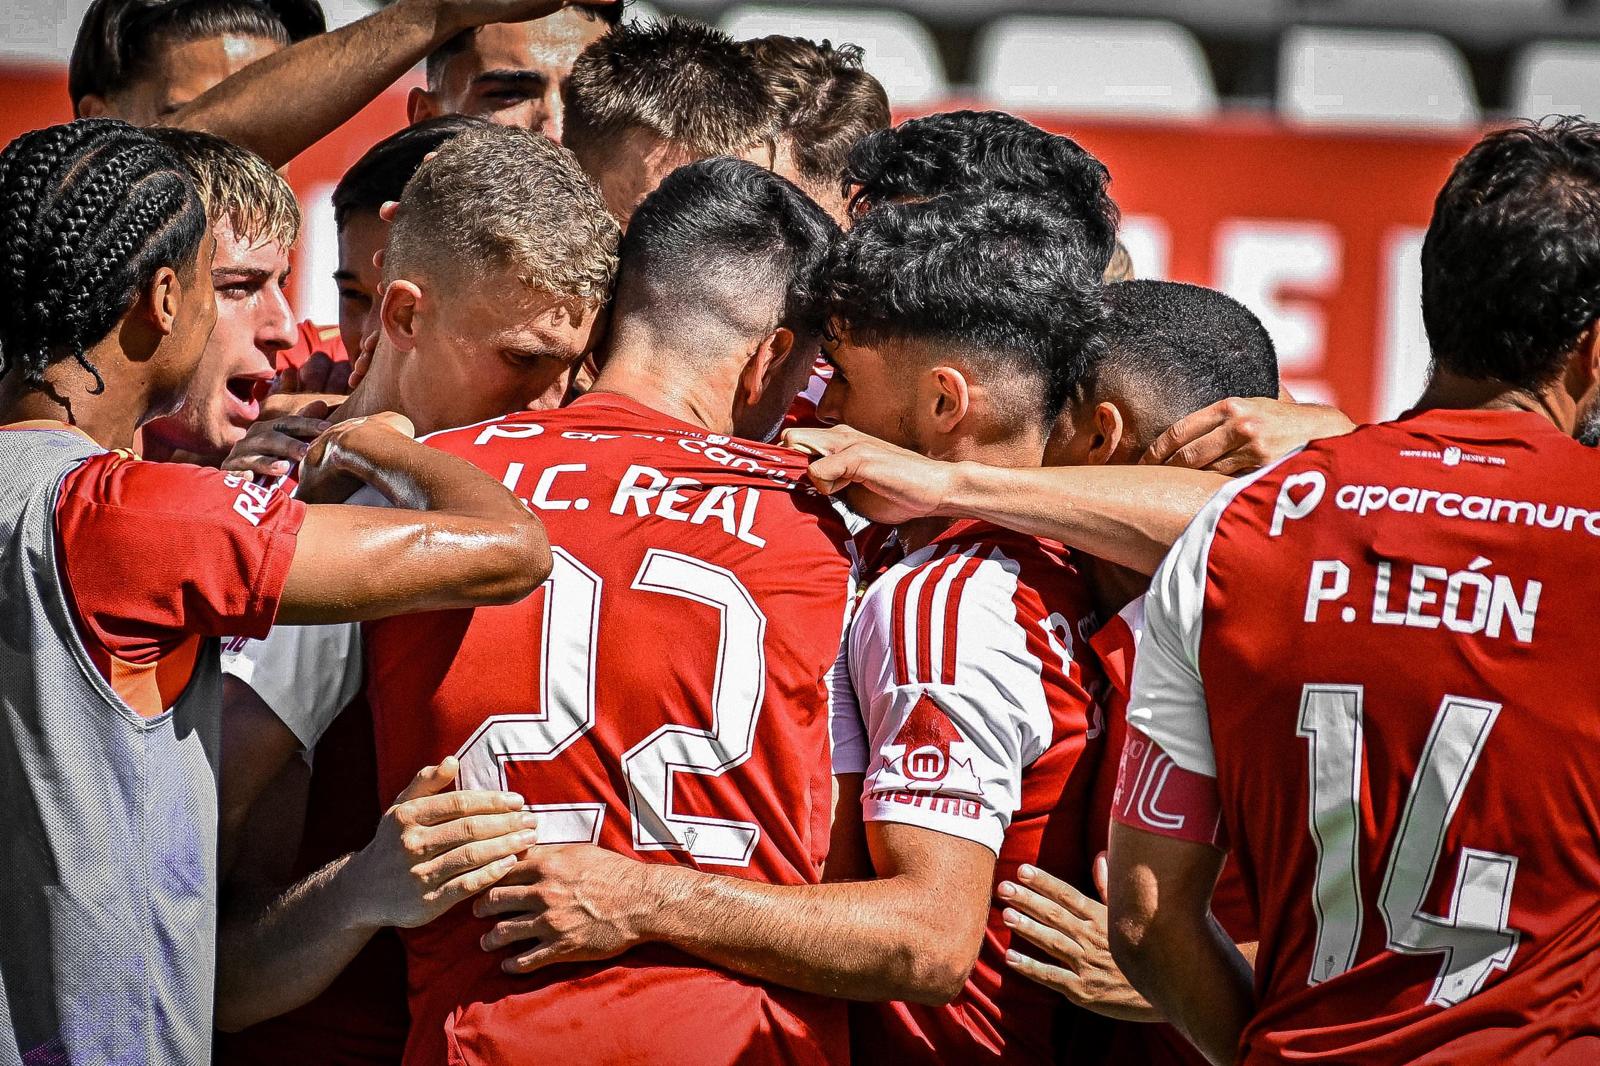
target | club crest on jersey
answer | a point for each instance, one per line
(929, 752)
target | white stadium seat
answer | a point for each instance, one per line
(1094, 66)
(1556, 78)
(1374, 77)
(900, 51)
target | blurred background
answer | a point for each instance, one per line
(1285, 151)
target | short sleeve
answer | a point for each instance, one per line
(157, 552)
(951, 735)
(307, 674)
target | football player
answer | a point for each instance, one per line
(1361, 674)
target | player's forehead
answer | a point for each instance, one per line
(545, 46)
(181, 71)
(264, 254)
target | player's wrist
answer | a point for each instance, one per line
(663, 891)
(355, 890)
(959, 493)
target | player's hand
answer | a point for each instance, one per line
(1236, 436)
(272, 446)
(880, 481)
(572, 902)
(465, 14)
(362, 361)
(328, 472)
(437, 846)
(1072, 928)
(319, 374)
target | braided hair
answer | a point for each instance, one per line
(89, 211)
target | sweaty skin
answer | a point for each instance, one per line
(177, 74)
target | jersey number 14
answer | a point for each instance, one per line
(567, 645)
(1475, 937)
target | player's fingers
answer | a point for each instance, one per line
(339, 378)
(435, 840)
(509, 899)
(430, 780)
(288, 380)
(518, 930)
(1206, 449)
(547, 955)
(474, 856)
(1186, 429)
(1043, 972)
(316, 410)
(1059, 891)
(1041, 909)
(1102, 874)
(468, 884)
(1239, 461)
(1047, 937)
(462, 803)
(834, 472)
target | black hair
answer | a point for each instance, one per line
(1181, 348)
(91, 210)
(726, 219)
(433, 66)
(999, 276)
(1511, 262)
(380, 175)
(986, 151)
(118, 38)
(682, 81)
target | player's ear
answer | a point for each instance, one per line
(162, 297)
(399, 314)
(764, 369)
(950, 398)
(1107, 432)
(421, 105)
(91, 105)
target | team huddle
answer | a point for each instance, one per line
(747, 582)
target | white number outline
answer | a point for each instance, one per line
(1475, 937)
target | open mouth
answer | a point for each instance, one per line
(248, 392)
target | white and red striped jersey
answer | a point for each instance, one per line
(803, 412)
(964, 658)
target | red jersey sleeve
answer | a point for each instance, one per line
(155, 553)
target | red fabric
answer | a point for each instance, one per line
(361, 1019)
(1532, 794)
(435, 679)
(1135, 1042)
(803, 412)
(312, 339)
(1000, 1016)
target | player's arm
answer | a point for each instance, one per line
(433, 849)
(913, 934)
(1166, 941)
(266, 106)
(256, 746)
(455, 538)
(1128, 515)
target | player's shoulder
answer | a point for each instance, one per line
(974, 566)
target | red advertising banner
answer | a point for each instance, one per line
(1318, 232)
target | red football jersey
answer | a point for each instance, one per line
(1374, 659)
(965, 660)
(803, 412)
(311, 339)
(667, 694)
(1116, 644)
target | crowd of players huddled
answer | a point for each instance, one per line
(686, 610)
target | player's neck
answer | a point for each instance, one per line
(1452, 392)
(662, 384)
(1113, 587)
(380, 390)
(66, 396)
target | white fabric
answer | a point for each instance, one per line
(995, 715)
(1167, 700)
(306, 674)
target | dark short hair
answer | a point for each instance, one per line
(89, 211)
(380, 175)
(1511, 262)
(118, 39)
(1001, 277)
(433, 66)
(827, 102)
(1181, 348)
(684, 82)
(717, 234)
(986, 151)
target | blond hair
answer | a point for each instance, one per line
(502, 196)
(237, 187)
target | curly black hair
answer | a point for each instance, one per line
(986, 151)
(999, 276)
(1511, 262)
(91, 210)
